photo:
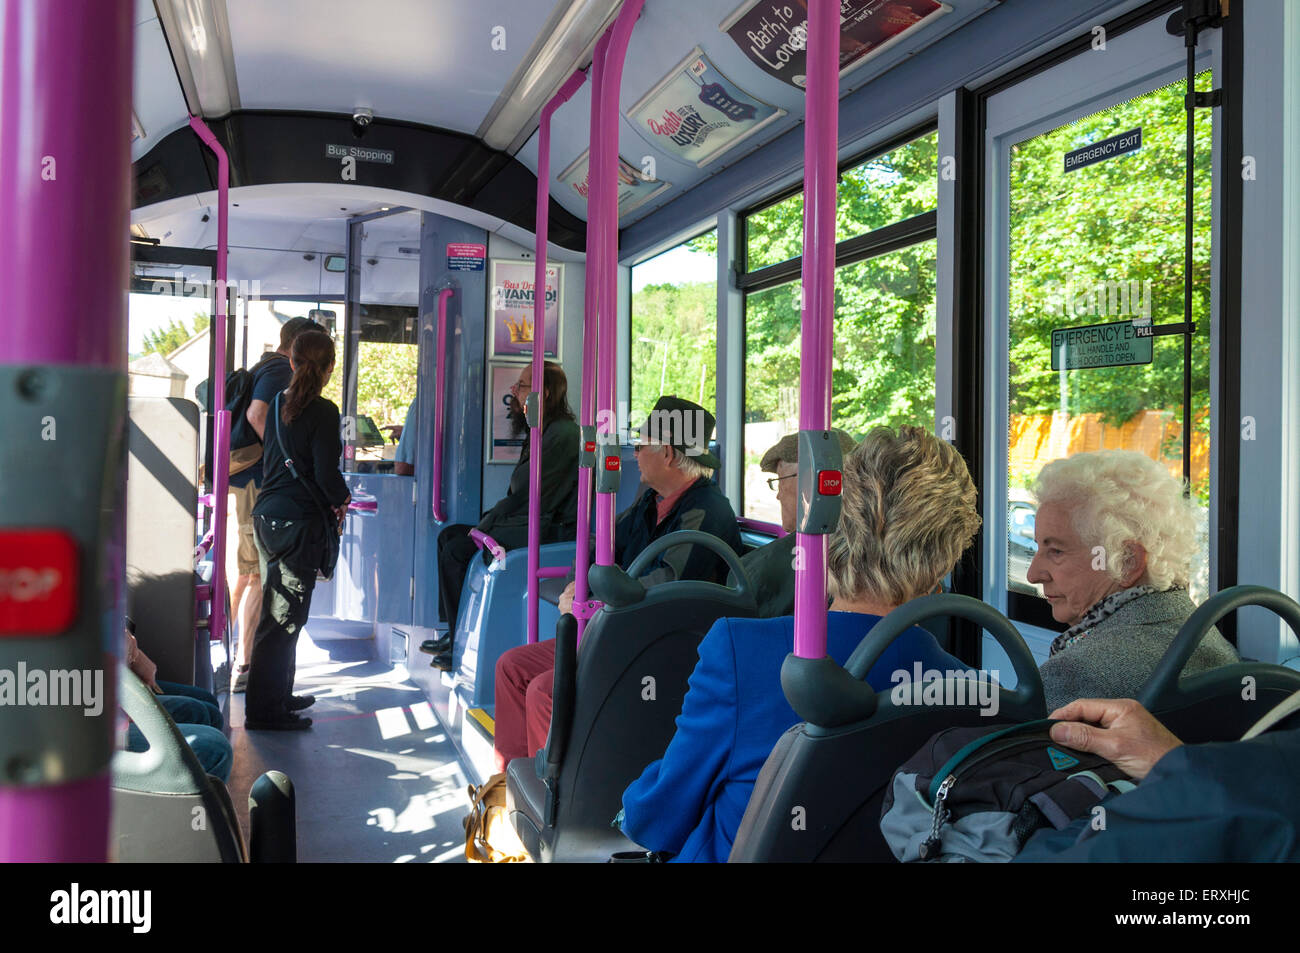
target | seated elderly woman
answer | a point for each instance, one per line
(908, 514)
(1115, 545)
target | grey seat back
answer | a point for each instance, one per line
(165, 808)
(615, 702)
(160, 530)
(819, 793)
(1221, 704)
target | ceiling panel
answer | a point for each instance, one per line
(427, 61)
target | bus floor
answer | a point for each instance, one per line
(375, 778)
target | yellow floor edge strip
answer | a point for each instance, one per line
(484, 719)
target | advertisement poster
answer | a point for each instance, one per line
(505, 446)
(773, 33)
(697, 114)
(512, 309)
(633, 187)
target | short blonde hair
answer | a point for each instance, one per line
(908, 514)
(1114, 496)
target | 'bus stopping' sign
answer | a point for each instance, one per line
(1101, 345)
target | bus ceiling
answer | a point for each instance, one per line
(707, 85)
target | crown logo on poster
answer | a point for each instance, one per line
(521, 332)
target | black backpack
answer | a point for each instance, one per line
(239, 394)
(977, 794)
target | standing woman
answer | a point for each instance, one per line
(290, 521)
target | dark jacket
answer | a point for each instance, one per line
(770, 569)
(701, 507)
(1118, 655)
(507, 522)
(313, 439)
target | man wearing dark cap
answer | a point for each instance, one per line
(770, 568)
(271, 375)
(673, 456)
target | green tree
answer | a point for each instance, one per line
(165, 340)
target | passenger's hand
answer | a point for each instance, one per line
(566, 598)
(144, 667)
(1118, 729)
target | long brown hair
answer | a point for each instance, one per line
(313, 356)
(556, 388)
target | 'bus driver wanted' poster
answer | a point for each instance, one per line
(512, 309)
(697, 114)
(773, 33)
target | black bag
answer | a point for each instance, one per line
(333, 528)
(975, 794)
(239, 394)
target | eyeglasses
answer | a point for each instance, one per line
(518, 386)
(773, 482)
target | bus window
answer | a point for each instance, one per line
(884, 371)
(1095, 248)
(675, 325)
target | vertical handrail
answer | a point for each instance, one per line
(439, 387)
(65, 95)
(221, 428)
(620, 35)
(537, 397)
(821, 133)
(590, 332)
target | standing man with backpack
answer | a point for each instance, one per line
(251, 392)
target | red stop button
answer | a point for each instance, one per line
(829, 482)
(612, 463)
(591, 446)
(38, 582)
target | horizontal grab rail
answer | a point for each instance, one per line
(759, 526)
(364, 506)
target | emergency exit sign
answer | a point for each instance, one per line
(1119, 344)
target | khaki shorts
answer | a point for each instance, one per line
(246, 556)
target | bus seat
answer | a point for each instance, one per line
(159, 795)
(605, 725)
(832, 770)
(494, 617)
(1215, 705)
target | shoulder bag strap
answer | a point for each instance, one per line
(318, 497)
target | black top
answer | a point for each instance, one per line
(271, 374)
(507, 522)
(313, 439)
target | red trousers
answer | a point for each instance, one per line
(523, 701)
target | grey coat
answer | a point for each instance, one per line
(1121, 651)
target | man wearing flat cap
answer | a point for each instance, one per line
(770, 568)
(673, 456)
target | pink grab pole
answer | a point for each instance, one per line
(820, 137)
(619, 37)
(590, 331)
(539, 343)
(440, 386)
(65, 199)
(221, 430)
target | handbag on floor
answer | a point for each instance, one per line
(489, 836)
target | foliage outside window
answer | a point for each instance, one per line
(884, 351)
(674, 327)
(1078, 242)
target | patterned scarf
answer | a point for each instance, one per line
(1099, 611)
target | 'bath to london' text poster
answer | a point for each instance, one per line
(512, 309)
(773, 33)
(696, 113)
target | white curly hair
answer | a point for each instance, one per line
(1114, 496)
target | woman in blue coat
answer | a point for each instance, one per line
(908, 514)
